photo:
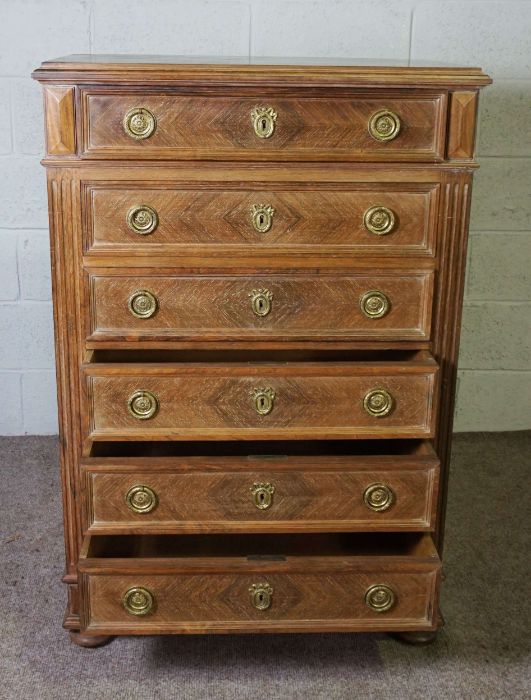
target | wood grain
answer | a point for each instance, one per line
(193, 127)
(313, 400)
(60, 121)
(218, 603)
(274, 74)
(220, 219)
(203, 169)
(462, 131)
(326, 591)
(302, 307)
(449, 304)
(214, 495)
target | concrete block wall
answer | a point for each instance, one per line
(494, 391)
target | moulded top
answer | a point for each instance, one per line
(168, 69)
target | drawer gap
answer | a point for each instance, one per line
(273, 449)
(279, 546)
(253, 356)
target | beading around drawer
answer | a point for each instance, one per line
(285, 493)
(259, 583)
(219, 401)
(158, 308)
(361, 127)
(377, 218)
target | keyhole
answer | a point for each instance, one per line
(262, 402)
(261, 497)
(261, 305)
(264, 124)
(261, 598)
(261, 219)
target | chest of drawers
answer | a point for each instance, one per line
(258, 274)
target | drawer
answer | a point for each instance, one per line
(261, 494)
(130, 307)
(377, 219)
(390, 126)
(260, 583)
(231, 401)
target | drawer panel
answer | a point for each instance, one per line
(386, 219)
(157, 307)
(258, 584)
(261, 401)
(404, 126)
(257, 494)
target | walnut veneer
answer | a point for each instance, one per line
(258, 274)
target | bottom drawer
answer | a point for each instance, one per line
(258, 583)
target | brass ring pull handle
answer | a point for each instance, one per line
(138, 601)
(139, 123)
(262, 217)
(374, 304)
(379, 220)
(263, 119)
(143, 405)
(263, 495)
(378, 497)
(384, 125)
(263, 399)
(261, 595)
(142, 304)
(142, 219)
(261, 301)
(141, 499)
(380, 598)
(378, 403)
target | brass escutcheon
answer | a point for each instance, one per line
(380, 598)
(138, 601)
(263, 495)
(379, 220)
(384, 125)
(143, 405)
(141, 499)
(378, 403)
(142, 219)
(263, 119)
(142, 304)
(139, 123)
(261, 301)
(261, 595)
(262, 217)
(379, 497)
(263, 400)
(374, 304)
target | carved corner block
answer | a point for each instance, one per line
(462, 127)
(60, 121)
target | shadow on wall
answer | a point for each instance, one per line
(495, 360)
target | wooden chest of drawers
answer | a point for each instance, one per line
(258, 274)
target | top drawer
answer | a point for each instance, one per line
(364, 127)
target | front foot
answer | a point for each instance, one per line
(416, 638)
(88, 641)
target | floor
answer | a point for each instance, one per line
(483, 652)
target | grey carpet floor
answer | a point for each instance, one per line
(483, 652)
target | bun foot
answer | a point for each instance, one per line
(416, 638)
(87, 640)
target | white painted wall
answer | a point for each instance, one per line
(495, 365)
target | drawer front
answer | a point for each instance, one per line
(381, 220)
(332, 400)
(283, 495)
(230, 602)
(157, 307)
(305, 128)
